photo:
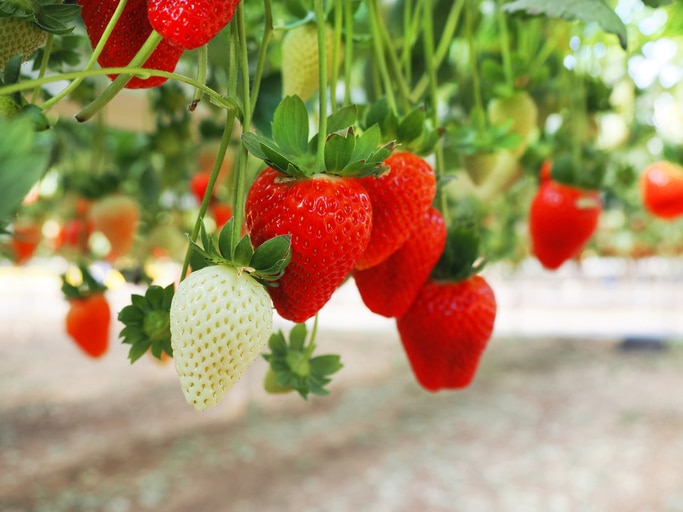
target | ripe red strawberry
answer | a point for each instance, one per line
(88, 321)
(561, 221)
(130, 33)
(27, 236)
(446, 329)
(199, 182)
(329, 219)
(116, 217)
(390, 288)
(74, 235)
(189, 24)
(222, 213)
(399, 199)
(661, 187)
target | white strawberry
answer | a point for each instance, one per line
(220, 320)
(221, 315)
(300, 62)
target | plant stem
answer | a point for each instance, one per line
(478, 109)
(348, 52)
(314, 333)
(322, 84)
(260, 64)
(93, 57)
(334, 75)
(43, 66)
(505, 47)
(202, 65)
(378, 47)
(122, 80)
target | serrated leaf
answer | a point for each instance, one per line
(411, 126)
(138, 350)
(297, 336)
(277, 343)
(342, 119)
(587, 11)
(130, 315)
(290, 126)
(271, 253)
(155, 296)
(366, 143)
(339, 148)
(138, 301)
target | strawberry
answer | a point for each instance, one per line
(399, 199)
(480, 165)
(19, 37)
(661, 189)
(27, 236)
(74, 235)
(189, 24)
(221, 317)
(116, 216)
(329, 219)
(518, 109)
(446, 329)
(390, 288)
(199, 182)
(562, 219)
(89, 316)
(314, 197)
(130, 33)
(300, 61)
(222, 213)
(8, 107)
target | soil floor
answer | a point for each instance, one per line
(562, 424)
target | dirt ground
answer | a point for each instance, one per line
(571, 424)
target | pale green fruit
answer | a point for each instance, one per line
(221, 318)
(521, 110)
(19, 37)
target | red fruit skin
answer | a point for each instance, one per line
(445, 331)
(74, 235)
(661, 189)
(26, 238)
(399, 198)
(117, 217)
(388, 289)
(189, 24)
(130, 33)
(329, 219)
(561, 221)
(87, 323)
(222, 213)
(199, 183)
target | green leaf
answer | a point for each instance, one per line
(297, 336)
(342, 119)
(411, 126)
(138, 350)
(271, 252)
(130, 315)
(586, 11)
(325, 365)
(225, 239)
(290, 126)
(339, 148)
(244, 252)
(139, 301)
(277, 343)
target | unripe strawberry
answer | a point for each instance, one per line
(300, 62)
(521, 111)
(8, 107)
(221, 318)
(19, 37)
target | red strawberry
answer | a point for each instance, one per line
(26, 238)
(87, 322)
(130, 33)
(74, 235)
(189, 24)
(222, 213)
(116, 216)
(561, 221)
(399, 198)
(390, 288)
(446, 330)
(199, 183)
(329, 219)
(661, 187)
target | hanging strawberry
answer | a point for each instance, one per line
(661, 188)
(319, 204)
(189, 24)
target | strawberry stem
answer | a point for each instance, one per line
(43, 66)
(348, 51)
(93, 57)
(202, 64)
(322, 84)
(378, 48)
(334, 76)
(505, 46)
(479, 116)
(122, 80)
(263, 53)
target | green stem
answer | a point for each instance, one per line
(199, 221)
(122, 80)
(505, 47)
(43, 66)
(322, 84)
(334, 76)
(478, 109)
(314, 333)
(408, 38)
(348, 51)
(443, 47)
(378, 47)
(395, 65)
(202, 65)
(263, 53)
(222, 101)
(93, 57)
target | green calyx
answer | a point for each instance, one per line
(266, 263)
(461, 257)
(87, 287)
(413, 131)
(588, 173)
(293, 369)
(346, 152)
(468, 140)
(52, 16)
(147, 323)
